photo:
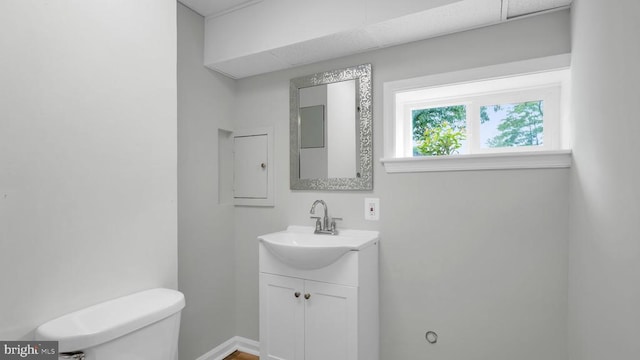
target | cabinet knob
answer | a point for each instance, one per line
(307, 296)
(297, 294)
(263, 165)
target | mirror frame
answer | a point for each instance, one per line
(362, 75)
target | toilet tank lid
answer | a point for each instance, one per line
(109, 320)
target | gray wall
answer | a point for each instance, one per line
(480, 257)
(205, 228)
(604, 282)
(87, 155)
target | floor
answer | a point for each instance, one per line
(237, 355)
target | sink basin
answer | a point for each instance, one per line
(299, 247)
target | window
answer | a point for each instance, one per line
(487, 116)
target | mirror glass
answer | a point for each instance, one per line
(331, 144)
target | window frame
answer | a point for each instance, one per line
(464, 87)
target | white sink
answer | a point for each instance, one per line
(300, 248)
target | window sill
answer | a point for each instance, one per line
(498, 161)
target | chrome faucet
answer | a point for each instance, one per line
(325, 226)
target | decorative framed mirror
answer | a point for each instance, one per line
(331, 130)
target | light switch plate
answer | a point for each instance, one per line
(372, 209)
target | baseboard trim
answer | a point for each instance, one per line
(228, 347)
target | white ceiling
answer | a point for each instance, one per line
(514, 7)
(216, 7)
(238, 56)
(524, 7)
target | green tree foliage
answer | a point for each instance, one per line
(429, 118)
(522, 125)
(439, 131)
(441, 139)
(484, 115)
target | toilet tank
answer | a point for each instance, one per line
(141, 326)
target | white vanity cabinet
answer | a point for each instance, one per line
(307, 319)
(320, 314)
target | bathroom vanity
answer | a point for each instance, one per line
(319, 295)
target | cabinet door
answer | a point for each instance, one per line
(281, 318)
(250, 166)
(331, 322)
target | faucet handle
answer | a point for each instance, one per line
(333, 223)
(318, 222)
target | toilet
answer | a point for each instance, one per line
(141, 326)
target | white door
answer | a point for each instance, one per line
(330, 321)
(250, 166)
(281, 318)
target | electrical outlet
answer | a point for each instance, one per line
(372, 209)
